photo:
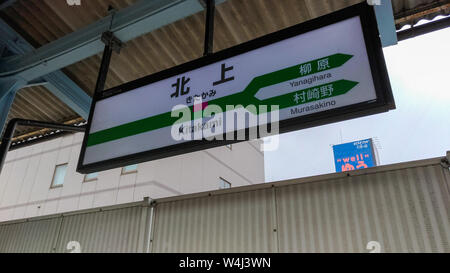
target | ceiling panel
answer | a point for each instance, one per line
(237, 21)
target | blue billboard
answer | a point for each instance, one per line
(354, 155)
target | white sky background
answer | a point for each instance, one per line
(419, 127)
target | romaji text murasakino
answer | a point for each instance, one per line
(315, 106)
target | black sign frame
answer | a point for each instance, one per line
(383, 103)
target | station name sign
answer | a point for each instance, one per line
(324, 70)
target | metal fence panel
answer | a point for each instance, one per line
(405, 210)
(118, 230)
(235, 222)
(29, 237)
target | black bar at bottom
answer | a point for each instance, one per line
(239, 262)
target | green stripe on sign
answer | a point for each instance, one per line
(245, 98)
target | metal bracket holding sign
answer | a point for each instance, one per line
(325, 70)
(112, 43)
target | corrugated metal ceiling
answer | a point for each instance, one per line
(37, 103)
(237, 21)
(409, 12)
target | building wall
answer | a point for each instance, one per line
(27, 175)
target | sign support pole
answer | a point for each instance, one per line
(209, 27)
(104, 67)
(111, 43)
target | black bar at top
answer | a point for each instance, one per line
(209, 27)
(104, 67)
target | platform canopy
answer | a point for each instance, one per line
(51, 50)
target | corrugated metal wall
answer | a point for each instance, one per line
(239, 222)
(405, 209)
(31, 237)
(112, 230)
(120, 230)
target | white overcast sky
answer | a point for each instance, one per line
(419, 71)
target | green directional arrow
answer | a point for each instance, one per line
(296, 71)
(316, 93)
(246, 97)
(290, 99)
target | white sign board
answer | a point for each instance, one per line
(321, 70)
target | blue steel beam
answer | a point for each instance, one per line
(58, 83)
(68, 92)
(5, 105)
(386, 22)
(10, 85)
(129, 23)
(36, 82)
(6, 3)
(8, 89)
